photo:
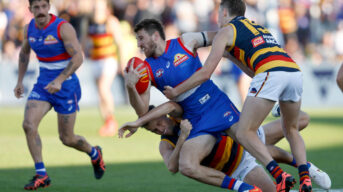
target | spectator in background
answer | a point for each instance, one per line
(106, 52)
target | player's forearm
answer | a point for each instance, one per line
(71, 68)
(155, 113)
(173, 162)
(137, 102)
(196, 79)
(24, 58)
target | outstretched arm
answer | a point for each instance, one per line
(73, 48)
(170, 155)
(169, 107)
(24, 57)
(223, 38)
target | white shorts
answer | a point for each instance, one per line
(106, 66)
(277, 85)
(248, 162)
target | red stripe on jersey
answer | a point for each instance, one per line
(183, 46)
(59, 29)
(219, 153)
(150, 73)
(236, 52)
(272, 58)
(235, 161)
(167, 46)
(59, 57)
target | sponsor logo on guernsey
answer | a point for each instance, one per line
(205, 98)
(34, 94)
(50, 40)
(32, 39)
(159, 73)
(253, 90)
(180, 58)
(257, 41)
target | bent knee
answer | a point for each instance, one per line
(304, 120)
(66, 140)
(29, 127)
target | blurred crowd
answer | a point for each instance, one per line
(310, 30)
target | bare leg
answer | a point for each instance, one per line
(191, 154)
(259, 177)
(34, 112)
(104, 83)
(274, 132)
(66, 124)
(290, 114)
(255, 110)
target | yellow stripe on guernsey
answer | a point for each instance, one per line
(242, 56)
(103, 51)
(226, 155)
(239, 158)
(171, 143)
(277, 63)
(234, 37)
(102, 40)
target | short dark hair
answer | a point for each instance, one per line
(235, 7)
(31, 1)
(150, 26)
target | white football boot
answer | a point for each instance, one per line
(319, 177)
(276, 110)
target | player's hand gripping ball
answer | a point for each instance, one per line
(143, 82)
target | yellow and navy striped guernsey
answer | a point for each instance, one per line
(256, 48)
(225, 156)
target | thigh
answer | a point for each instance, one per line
(257, 176)
(196, 149)
(35, 111)
(66, 124)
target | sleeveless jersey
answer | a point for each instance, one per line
(208, 109)
(103, 42)
(225, 156)
(257, 49)
(48, 45)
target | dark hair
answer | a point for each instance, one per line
(235, 7)
(150, 108)
(150, 26)
(31, 1)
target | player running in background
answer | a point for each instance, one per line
(208, 109)
(276, 77)
(59, 53)
(226, 155)
(105, 52)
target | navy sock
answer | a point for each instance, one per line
(40, 169)
(303, 172)
(294, 163)
(233, 184)
(94, 153)
(275, 170)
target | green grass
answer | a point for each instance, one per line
(134, 164)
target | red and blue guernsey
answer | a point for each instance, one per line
(53, 59)
(208, 109)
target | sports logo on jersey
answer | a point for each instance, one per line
(205, 98)
(159, 73)
(253, 90)
(50, 40)
(32, 39)
(257, 41)
(180, 58)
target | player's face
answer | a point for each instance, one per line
(40, 10)
(145, 43)
(160, 126)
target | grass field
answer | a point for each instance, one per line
(134, 164)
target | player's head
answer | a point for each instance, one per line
(161, 126)
(40, 10)
(230, 9)
(148, 33)
(101, 10)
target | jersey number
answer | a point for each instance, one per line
(253, 27)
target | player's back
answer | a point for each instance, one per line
(257, 49)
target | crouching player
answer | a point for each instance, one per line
(223, 153)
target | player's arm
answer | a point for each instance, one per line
(223, 38)
(170, 155)
(73, 48)
(239, 64)
(339, 78)
(24, 58)
(140, 102)
(116, 32)
(194, 40)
